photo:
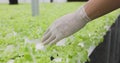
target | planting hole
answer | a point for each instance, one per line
(52, 58)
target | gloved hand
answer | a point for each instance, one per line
(65, 26)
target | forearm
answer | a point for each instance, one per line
(97, 8)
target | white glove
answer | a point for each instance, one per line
(65, 26)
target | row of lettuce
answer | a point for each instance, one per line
(17, 26)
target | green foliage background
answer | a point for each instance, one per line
(16, 23)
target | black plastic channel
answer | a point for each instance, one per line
(109, 50)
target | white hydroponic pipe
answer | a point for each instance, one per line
(59, 1)
(35, 7)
